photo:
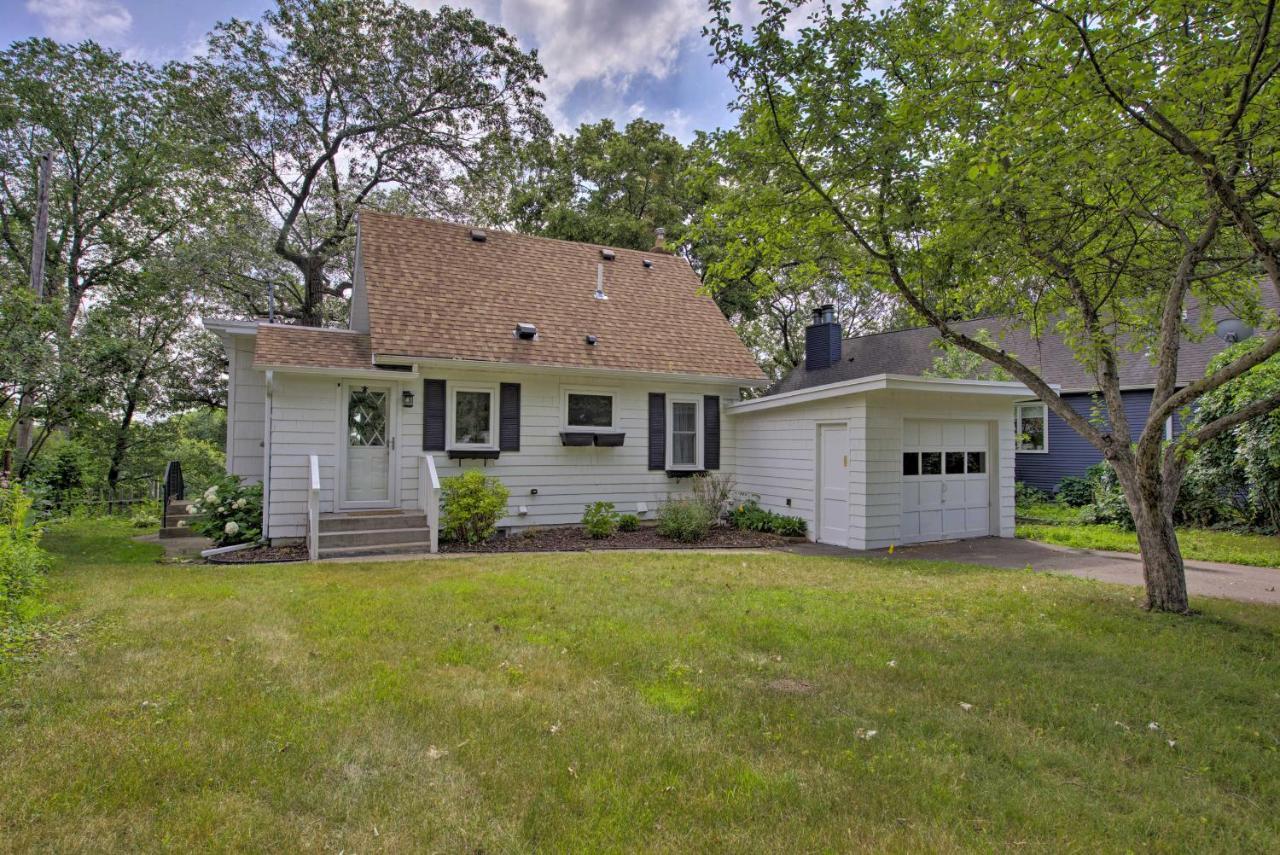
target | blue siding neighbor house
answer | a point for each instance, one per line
(1048, 449)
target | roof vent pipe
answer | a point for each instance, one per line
(600, 295)
(822, 339)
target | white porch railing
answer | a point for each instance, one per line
(313, 509)
(429, 495)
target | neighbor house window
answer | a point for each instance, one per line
(473, 417)
(684, 433)
(1030, 426)
(588, 410)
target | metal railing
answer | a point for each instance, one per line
(174, 488)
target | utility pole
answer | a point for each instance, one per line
(39, 239)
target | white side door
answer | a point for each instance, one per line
(946, 486)
(367, 446)
(833, 484)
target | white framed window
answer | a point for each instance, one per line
(1031, 427)
(473, 416)
(684, 432)
(589, 409)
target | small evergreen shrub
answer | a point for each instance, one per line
(1074, 492)
(232, 512)
(684, 520)
(628, 522)
(600, 520)
(470, 506)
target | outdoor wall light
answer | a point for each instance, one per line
(406, 399)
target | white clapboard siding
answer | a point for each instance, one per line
(246, 411)
(776, 456)
(305, 420)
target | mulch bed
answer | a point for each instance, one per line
(575, 539)
(262, 555)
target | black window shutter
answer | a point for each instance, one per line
(657, 430)
(509, 417)
(711, 432)
(433, 415)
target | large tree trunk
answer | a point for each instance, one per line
(1163, 573)
(314, 288)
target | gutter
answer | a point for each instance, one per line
(885, 382)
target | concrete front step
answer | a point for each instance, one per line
(373, 537)
(411, 548)
(370, 522)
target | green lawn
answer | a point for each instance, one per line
(677, 702)
(1257, 550)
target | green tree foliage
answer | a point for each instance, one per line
(321, 104)
(1094, 170)
(960, 364)
(607, 186)
(1246, 458)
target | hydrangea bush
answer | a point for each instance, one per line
(231, 512)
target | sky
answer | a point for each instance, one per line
(617, 59)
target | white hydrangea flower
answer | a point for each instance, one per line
(239, 503)
(231, 527)
(222, 509)
(182, 523)
(191, 509)
(211, 495)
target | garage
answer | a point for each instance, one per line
(946, 485)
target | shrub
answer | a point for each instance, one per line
(1109, 504)
(146, 515)
(713, 491)
(749, 516)
(22, 562)
(600, 520)
(471, 505)
(1025, 494)
(684, 520)
(1075, 492)
(628, 522)
(232, 512)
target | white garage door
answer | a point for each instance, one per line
(946, 488)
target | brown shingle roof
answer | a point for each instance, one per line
(308, 347)
(433, 292)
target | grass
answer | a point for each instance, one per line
(1052, 522)
(676, 702)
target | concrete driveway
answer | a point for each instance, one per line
(1204, 578)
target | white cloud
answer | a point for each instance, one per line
(75, 20)
(603, 42)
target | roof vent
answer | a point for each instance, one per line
(648, 262)
(600, 294)
(478, 235)
(525, 332)
(607, 254)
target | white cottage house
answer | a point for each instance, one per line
(575, 373)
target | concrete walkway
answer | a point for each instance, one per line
(1204, 578)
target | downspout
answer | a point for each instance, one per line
(266, 458)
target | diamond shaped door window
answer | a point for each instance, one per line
(367, 419)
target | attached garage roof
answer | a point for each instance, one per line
(884, 382)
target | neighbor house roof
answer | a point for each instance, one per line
(278, 345)
(435, 293)
(911, 351)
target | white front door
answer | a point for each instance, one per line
(946, 487)
(367, 464)
(833, 484)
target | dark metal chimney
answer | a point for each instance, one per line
(822, 339)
